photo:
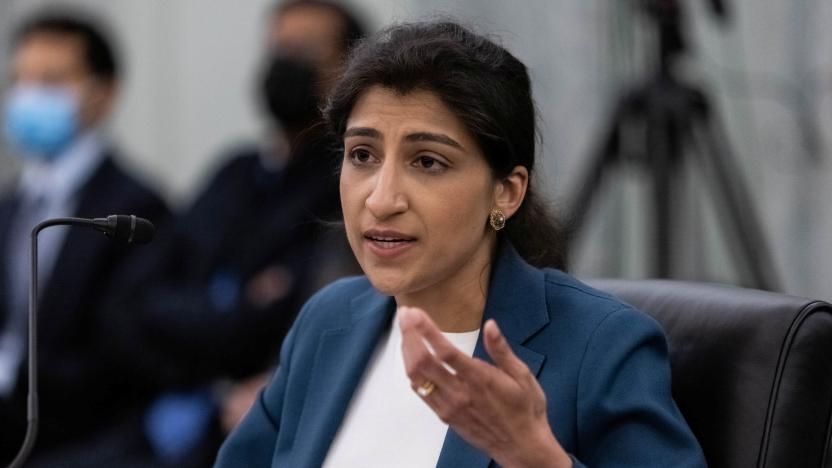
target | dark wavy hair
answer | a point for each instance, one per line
(99, 53)
(485, 86)
(353, 28)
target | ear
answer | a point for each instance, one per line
(101, 100)
(510, 191)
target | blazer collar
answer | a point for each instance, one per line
(517, 302)
(516, 296)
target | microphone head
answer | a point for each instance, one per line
(130, 229)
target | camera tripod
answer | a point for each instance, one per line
(677, 122)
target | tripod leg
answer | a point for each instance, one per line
(663, 150)
(590, 183)
(736, 210)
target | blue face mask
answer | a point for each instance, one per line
(40, 122)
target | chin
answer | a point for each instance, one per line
(387, 286)
(389, 283)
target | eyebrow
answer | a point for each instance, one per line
(434, 137)
(362, 132)
(413, 137)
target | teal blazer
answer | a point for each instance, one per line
(602, 364)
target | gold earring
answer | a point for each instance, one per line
(497, 219)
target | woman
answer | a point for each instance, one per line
(454, 351)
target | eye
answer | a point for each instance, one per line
(360, 157)
(429, 164)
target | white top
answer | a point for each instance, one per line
(387, 424)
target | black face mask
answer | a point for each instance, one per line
(289, 89)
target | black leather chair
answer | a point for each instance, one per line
(752, 370)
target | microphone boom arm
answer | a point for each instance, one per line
(109, 227)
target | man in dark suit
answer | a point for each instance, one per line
(65, 79)
(249, 250)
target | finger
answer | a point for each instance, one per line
(472, 419)
(498, 348)
(415, 320)
(455, 399)
(468, 424)
(434, 371)
(420, 364)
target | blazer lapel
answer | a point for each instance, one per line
(340, 361)
(7, 208)
(76, 259)
(517, 302)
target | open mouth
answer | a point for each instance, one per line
(386, 242)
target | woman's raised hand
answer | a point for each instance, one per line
(499, 409)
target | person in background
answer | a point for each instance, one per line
(65, 80)
(249, 250)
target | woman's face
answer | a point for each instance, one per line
(416, 192)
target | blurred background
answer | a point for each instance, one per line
(767, 66)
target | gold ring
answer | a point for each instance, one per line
(426, 389)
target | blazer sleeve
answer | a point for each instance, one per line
(626, 414)
(252, 443)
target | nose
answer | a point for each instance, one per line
(387, 198)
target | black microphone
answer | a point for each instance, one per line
(125, 228)
(129, 229)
